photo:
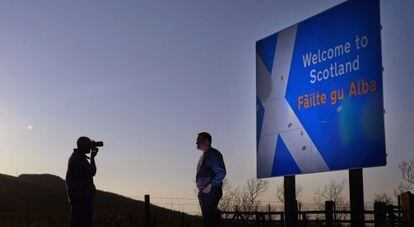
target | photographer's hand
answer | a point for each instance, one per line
(94, 153)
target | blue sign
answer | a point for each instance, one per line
(319, 93)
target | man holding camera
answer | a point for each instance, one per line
(209, 179)
(79, 182)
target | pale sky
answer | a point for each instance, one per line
(146, 76)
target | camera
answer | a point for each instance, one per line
(96, 144)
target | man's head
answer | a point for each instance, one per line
(203, 141)
(84, 144)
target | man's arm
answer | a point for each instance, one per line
(217, 165)
(89, 169)
(93, 165)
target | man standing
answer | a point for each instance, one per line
(79, 183)
(209, 179)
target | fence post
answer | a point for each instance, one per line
(270, 214)
(407, 204)
(329, 207)
(147, 211)
(379, 214)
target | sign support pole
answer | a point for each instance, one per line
(291, 207)
(356, 195)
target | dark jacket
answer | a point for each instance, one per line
(79, 177)
(210, 170)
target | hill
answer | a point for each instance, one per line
(43, 197)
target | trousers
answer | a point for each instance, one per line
(81, 213)
(208, 204)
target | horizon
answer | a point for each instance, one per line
(146, 77)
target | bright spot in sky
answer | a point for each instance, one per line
(29, 128)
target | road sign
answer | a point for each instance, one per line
(319, 93)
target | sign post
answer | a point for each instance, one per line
(356, 197)
(291, 207)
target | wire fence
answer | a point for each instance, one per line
(191, 206)
(388, 215)
(181, 204)
(185, 211)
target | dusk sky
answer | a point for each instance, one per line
(146, 76)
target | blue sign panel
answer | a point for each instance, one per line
(319, 93)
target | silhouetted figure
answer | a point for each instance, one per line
(79, 182)
(209, 179)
